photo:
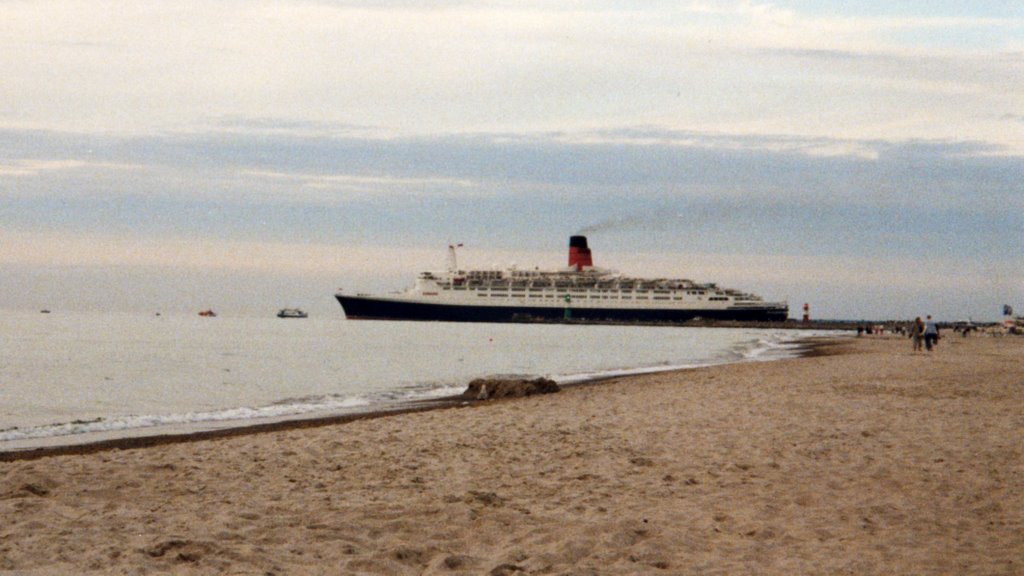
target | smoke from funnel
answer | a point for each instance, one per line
(694, 214)
(619, 223)
(633, 222)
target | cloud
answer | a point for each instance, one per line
(626, 164)
(32, 167)
(356, 185)
(247, 125)
(389, 68)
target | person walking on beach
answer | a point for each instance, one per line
(931, 333)
(917, 333)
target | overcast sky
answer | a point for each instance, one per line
(862, 157)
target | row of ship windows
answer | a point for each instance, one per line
(583, 290)
(612, 297)
(582, 293)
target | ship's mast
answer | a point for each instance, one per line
(453, 264)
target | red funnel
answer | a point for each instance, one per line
(579, 254)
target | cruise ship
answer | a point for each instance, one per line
(580, 292)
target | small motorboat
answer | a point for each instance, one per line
(208, 314)
(291, 313)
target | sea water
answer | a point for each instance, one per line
(65, 377)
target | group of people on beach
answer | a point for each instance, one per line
(924, 332)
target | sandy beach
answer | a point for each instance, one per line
(862, 459)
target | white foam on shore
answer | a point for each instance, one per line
(776, 346)
(130, 423)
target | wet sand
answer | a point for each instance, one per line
(863, 459)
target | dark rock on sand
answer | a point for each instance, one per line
(491, 388)
(506, 570)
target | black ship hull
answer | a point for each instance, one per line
(368, 308)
